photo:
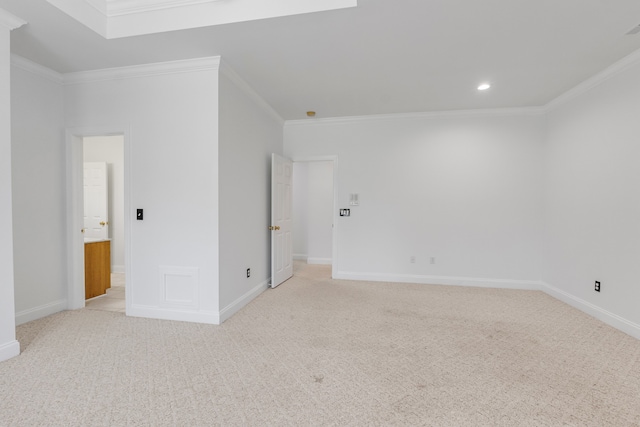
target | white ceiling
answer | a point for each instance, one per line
(384, 56)
(125, 18)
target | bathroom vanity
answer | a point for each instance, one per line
(97, 267)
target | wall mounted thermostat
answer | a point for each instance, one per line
(345, 212)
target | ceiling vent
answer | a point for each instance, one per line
(634, 30)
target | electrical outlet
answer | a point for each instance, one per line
(412, 260)
(433, 260)
(597, 288)
(248, 272)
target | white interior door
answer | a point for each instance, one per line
(96, 200)
(281, 219)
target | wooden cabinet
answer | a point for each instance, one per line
(97, 268)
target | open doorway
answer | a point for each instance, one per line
(120, 228)
(314, 231)
(103, 190)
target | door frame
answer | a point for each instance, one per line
(334, 231)
(75, 208)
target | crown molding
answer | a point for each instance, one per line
(10, 21)
(126, 7)
(35, 68)
(493, 112)
(596, 80)
(249, 91)
(145, 70)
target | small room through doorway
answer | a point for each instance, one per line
(105, 290)
(313, 211)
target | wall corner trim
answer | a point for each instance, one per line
(596, 80)
(245, 299)
(249, 91)
(9, 21)
(41, 311)
(37, 69)
(601, 314)
(9, 350)
(211, 63)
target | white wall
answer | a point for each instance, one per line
(592, 213)
(313, 211)
(110, 149)
(464, 189)
(38, 191)
(9, 347)
(249, 132)
(300, 196)
(170, 112)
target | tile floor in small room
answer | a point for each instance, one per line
(113, 300)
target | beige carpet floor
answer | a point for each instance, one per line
(319, 352)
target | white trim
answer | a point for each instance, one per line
(37, 69)
(300, 257)
(245, 299)
(146, 70)
(489, 112)
(75, 243)
(9, 350)
(334, 236)
(39, 312)
(128, 7)
(241, 84)
(9, 21)
(117, 268)
(151, 312)
(596, 80)
(531, 285)
(320, 261)
(601, 314)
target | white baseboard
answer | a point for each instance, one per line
(151, 312)
(9, 350)
(442, 280)
(322, 261)
(301, 257)
(39, 312)
(117, 268)
(245, 299)
(601, 314)
(209, 317)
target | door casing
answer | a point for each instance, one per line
(334, 243)
(75, 211)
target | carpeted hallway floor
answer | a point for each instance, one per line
(319, 352)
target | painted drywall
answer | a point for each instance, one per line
(249, 133)
(463, 189)
(313, 211)
(300, 227)
(110, 149)
(592, 203)
(38, 193)
(9, 347)
(170, 114)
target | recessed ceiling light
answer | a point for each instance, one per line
(311, 113)
(484, 86)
